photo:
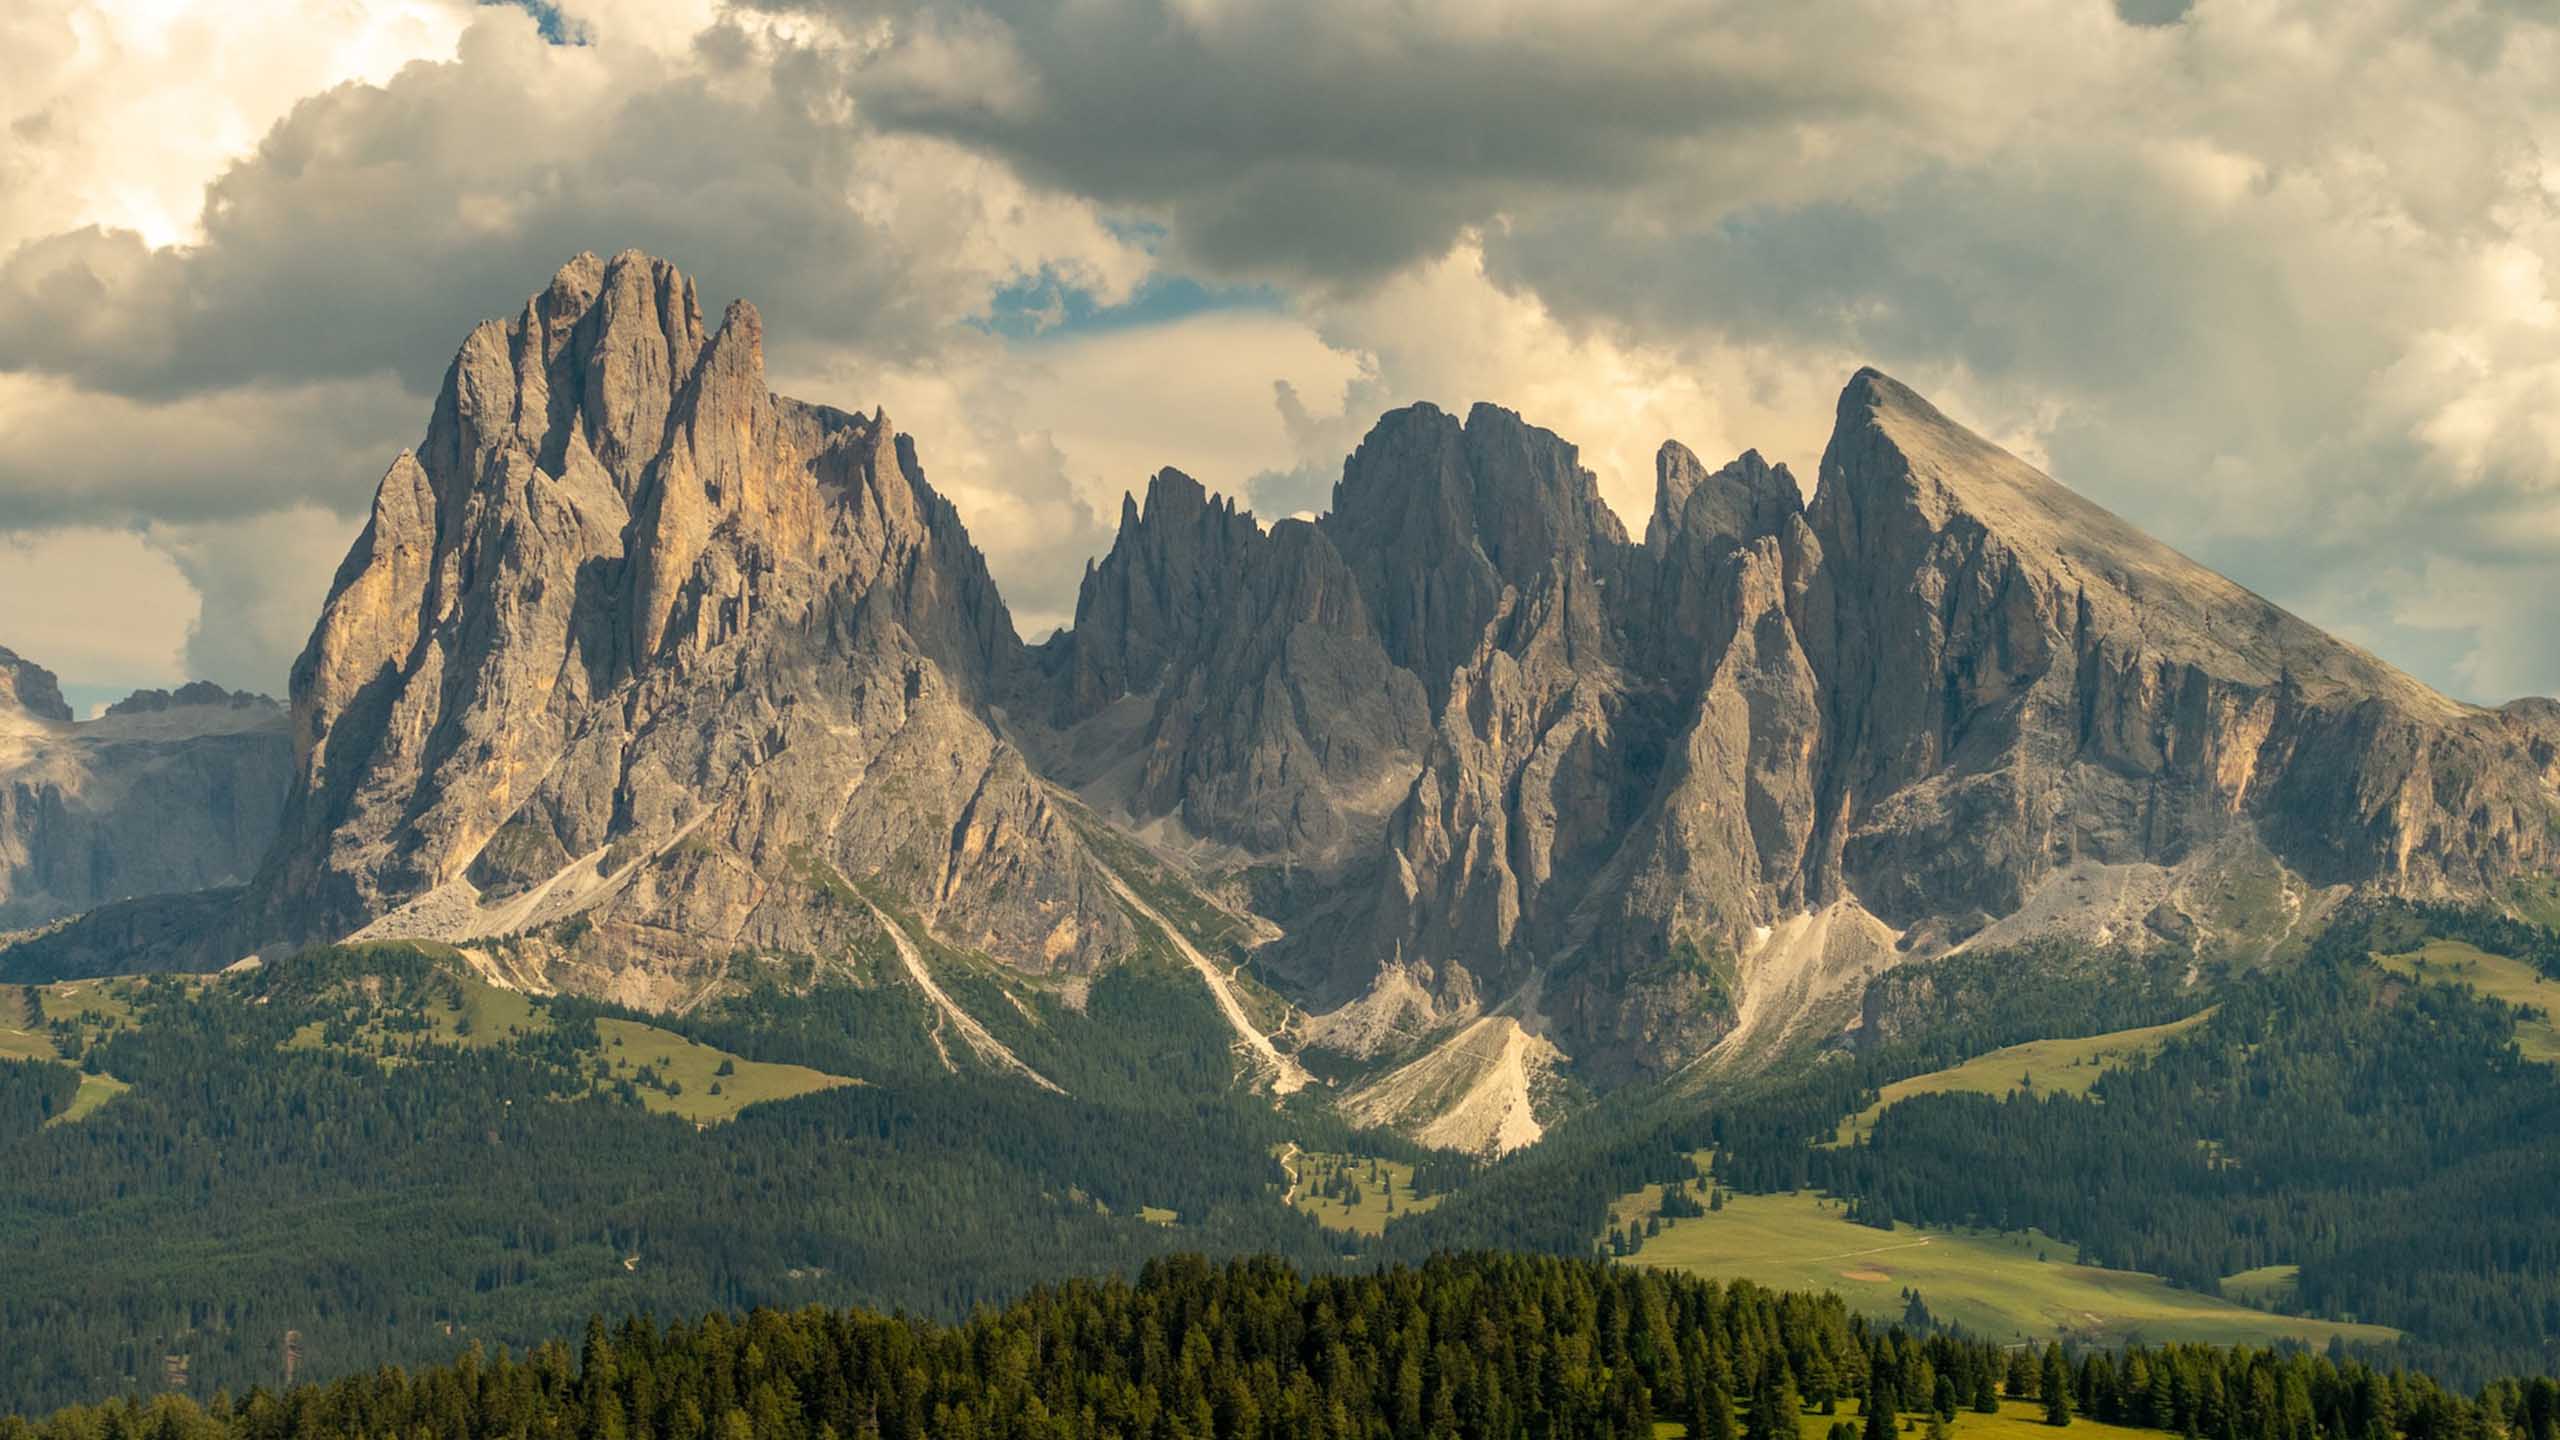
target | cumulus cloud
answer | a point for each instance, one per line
(99, 605)
(258, 582)
(74, 456)
(117, 115)
(1341, 140)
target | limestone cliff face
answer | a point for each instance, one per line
(2018, 682)
(1692, 791)
(1233, 679)
(645, 663)
(165, 792)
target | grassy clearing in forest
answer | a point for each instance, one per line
(2266, 1285)
(2511, 982)
(2017, 1420)
(94, 1091)
(688, 1073)
(1376, 1190)
(670, 1074)
(98, 1006)
(1998, 1286)
(2060, 1067)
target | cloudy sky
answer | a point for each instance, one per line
(2277, 279)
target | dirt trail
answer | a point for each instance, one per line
(1875, 1250)
(1287, 1075)
(1287, 1159)
(984, 1045)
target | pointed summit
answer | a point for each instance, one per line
(1165, 583)
(1900, 477)
(604, 599)
(1741, 502)
(30, 688)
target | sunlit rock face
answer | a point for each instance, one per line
(633, 643)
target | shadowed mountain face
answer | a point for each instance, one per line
(1659, 794)
(650, 675)
(164, 792)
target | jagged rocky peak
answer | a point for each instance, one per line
(1513, 492)
(1439, 521)
(194, 694)
(2019, 683)
(1899, 476)
(626, 634)
(1231, 678)
(1161, 589)
(1741, 502)
(30, 689)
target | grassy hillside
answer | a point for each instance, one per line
(390, 1158)
(2007, 1287)
(59, 1022)
(696, 1081)
(2512, 982)
(2052, 1067)
(666, 1072)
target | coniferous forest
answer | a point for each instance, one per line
(2385, 1137)
(1473, 1345)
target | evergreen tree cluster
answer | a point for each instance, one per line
(32, 1093)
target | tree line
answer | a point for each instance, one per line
(1461, 1346)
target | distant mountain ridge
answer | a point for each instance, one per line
(650, 675)
(164, 792)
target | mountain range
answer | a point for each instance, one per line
(1461, 801)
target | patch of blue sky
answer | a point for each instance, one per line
(1044, 307)
(557, 25)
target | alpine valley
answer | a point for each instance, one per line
(673, 883)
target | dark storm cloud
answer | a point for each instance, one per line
(1336, 142)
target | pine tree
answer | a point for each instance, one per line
(2056, 1386)
(1720, 1421)
(1880, 1405)
(1821, 1383)
(2021, 1380)
(1774, 1403)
